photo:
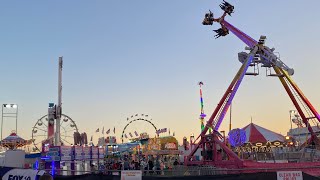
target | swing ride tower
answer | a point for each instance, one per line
(259, 54)
(202, 115)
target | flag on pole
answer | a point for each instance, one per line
(103, 130)
(114, 130)
(91, 139)
(169, 132)
(125, 135)
(97, 130)
(130, 134)
(173, 134)
(135, 132)
(108, 131)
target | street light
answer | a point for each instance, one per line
(191, 141)
(9, 115)
(224, 136)
(290, 112)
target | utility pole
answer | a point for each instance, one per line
(59, 107)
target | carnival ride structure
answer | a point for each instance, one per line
(13, 141)
(202, 114)
(259, 54)
(41, 132)
(54, 128)
(134, 119)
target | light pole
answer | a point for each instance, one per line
(224, 136)
(57, 140)
(191, 141)
(290, 112)
(9, 115)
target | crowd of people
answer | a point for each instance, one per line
(149, 165)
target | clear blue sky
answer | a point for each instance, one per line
(127, 57)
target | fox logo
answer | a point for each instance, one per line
(17, 177)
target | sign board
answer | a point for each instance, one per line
(86, 152)
(289, 175)
(23, 174)
(131, 175)
(101, 153)
(170, 145)
(94, 152)
(53, 154)
(66, 153)
(159, 131)
(78, 153)
(115, 173)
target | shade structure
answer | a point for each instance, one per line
(14, 141)
(258, 134)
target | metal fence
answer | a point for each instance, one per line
(186, 171)
(177, 171)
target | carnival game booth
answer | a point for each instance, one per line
(165, 148)
(256, 142)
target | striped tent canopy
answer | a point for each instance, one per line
(14, 141)
(255, 134)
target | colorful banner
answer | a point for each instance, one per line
(78, 153)
(53, 153)
(66, 153)
(101, 153)
(86, 152)
(94, 152)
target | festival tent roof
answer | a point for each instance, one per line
(255, 133)
(13, 141)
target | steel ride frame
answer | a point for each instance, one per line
(301, 103)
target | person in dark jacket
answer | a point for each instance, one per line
(150, 163)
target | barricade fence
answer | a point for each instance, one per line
(183, 171)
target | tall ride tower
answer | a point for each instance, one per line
(202, 115)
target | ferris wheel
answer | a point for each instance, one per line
(138, 126)
(40, 131)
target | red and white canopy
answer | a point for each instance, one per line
(14, 141)
(255, 133)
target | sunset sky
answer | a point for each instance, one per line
(128, 57)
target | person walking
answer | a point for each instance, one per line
(150, 164)
(157, 166)
(126, 165)
(162, 166)
(144, 166)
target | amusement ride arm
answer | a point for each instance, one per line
(282, 70)
(267, 59)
